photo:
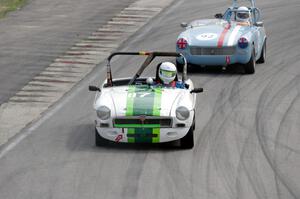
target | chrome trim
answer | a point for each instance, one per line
(145, 118)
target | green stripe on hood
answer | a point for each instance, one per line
(142, 100)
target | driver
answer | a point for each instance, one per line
(167, 75)
(243, 15)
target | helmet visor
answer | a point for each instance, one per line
(168, 74)
(243, 15)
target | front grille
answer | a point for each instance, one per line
(212, 50)
(143, 122)
(142, 135)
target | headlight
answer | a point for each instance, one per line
(103, 113)
(243, 43)
(182, 43)
(182, 113)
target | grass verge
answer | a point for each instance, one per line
(10, 5)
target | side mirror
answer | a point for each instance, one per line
(259, 24)
(197, 90)
(183, 25)
(94, 88)
(219, 16)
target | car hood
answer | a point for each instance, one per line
(142, 100)
(213, 33)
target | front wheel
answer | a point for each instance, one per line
(99, 141)
(187, 142)
(250, 66)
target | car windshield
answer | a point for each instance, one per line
(231, 15)
(149, 68)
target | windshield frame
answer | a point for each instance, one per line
(150, 57)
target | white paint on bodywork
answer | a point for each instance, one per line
(110, 134)
(115, 98)
(233, 36)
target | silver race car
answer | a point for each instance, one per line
(235, 37)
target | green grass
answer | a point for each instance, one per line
(10, 5)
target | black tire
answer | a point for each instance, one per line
(263, 54)
(194, 124)
(99, 141)
(179, 66)
(250, 66)
(187, 142)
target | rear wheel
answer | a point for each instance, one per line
(263, 54)
(250, 66)
(187, 142)
(99, 141)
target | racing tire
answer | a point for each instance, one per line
(250, 66)
(263, 54)
(99, 141)
(194, 124)
(179, 66)
(187, 142)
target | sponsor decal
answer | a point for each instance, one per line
(207, 36)
(119, 138)
(227, 60)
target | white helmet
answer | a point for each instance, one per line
(243, 14)
(167, 72)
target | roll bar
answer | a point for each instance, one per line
(149, 59)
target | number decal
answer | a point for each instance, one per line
(207, 36)
(131, 95)
(134, 95)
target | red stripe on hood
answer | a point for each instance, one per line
(223, 34)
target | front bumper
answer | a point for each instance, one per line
(241, 56)
(145, 135)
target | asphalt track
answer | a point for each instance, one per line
(247, 134)
(33, 37)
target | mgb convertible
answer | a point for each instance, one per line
(140, 110)
(235, 37)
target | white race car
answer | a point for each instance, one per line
(138, 110)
